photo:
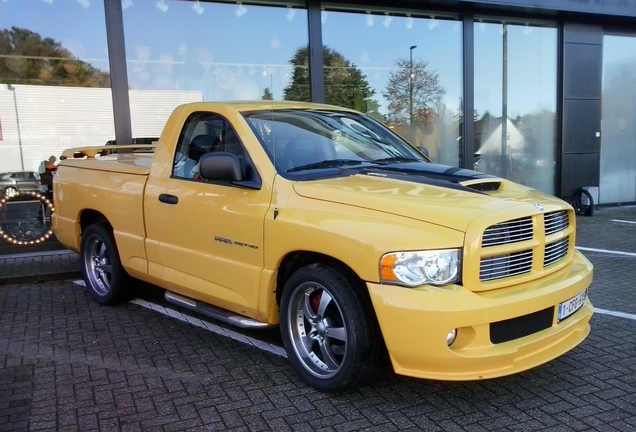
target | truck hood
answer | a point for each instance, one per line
(437, 194)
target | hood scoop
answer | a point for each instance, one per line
(482, 186)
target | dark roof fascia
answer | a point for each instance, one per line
(618, 8)
(606, 8)
(613, 13)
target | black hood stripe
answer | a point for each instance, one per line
(448, 181)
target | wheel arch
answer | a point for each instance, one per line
(295, 260)
(88, 217)
(370, 346)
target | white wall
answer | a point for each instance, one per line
(50, 119)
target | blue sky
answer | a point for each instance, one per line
(81, 30)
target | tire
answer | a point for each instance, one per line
(328, 328)
(583, 203)
(10, 192)
(104, 276)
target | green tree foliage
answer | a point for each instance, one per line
(345, 84)
(427, 92)
(27, 58)
(267, 94)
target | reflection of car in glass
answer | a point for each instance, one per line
(143, 140)
(12, 183)
(140, 141)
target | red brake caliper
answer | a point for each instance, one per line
(315, 302)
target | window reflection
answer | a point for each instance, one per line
(618, 160)
(180, 52)
(202, 51)
(400, 69)
(515, 102)
(55, 81)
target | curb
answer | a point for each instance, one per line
(42, 270)
(39, 278)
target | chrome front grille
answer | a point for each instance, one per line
(510, 248)
(508, 232)
(507, 265)
(555, 251)
(556, 221)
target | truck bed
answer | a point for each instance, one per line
(94, 158)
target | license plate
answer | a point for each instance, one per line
(568, 307)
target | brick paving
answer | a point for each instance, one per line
(67, 363)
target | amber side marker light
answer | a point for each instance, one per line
(386, 268)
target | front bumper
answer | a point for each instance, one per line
(415, 322)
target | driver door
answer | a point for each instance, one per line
(209, 235)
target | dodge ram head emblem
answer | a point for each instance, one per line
(539, 207)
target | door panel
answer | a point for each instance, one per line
(210, 241)
(209, 235)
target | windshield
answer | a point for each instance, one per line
(320, 141)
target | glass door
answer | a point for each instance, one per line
(515, 101)
(618, 138)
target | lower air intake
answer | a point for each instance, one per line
(515, 328)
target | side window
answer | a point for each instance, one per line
(203, 133)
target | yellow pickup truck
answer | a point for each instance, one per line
(323, 221)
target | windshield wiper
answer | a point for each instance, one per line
(330, 163)
(398, 159)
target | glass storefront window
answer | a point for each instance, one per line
(618, 160)
(180, 51)
(402, 69)
(54, 80)
(515, 102)
(54, 94)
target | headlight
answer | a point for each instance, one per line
(435, 267)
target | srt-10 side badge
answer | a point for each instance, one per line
(233, 242)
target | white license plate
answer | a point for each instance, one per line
(568, 307)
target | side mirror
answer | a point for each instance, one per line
(220, 166)
(424, 151)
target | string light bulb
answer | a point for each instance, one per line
(387, 19)
(240, 10)
(11, 239)
(291, 12)
(369, 19)
(196, 7)
(409, 22)
(162, 6)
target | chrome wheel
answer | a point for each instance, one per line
(328, 328)
(10, 192)
(97, 265)
(104, 276)
(318, 334)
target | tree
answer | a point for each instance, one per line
(31, 59)
(345, 84)
(267, 94)
(426, 92)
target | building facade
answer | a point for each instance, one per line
(541, 92)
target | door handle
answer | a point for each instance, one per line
(168, 199)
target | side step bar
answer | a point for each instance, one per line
(216, 313)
